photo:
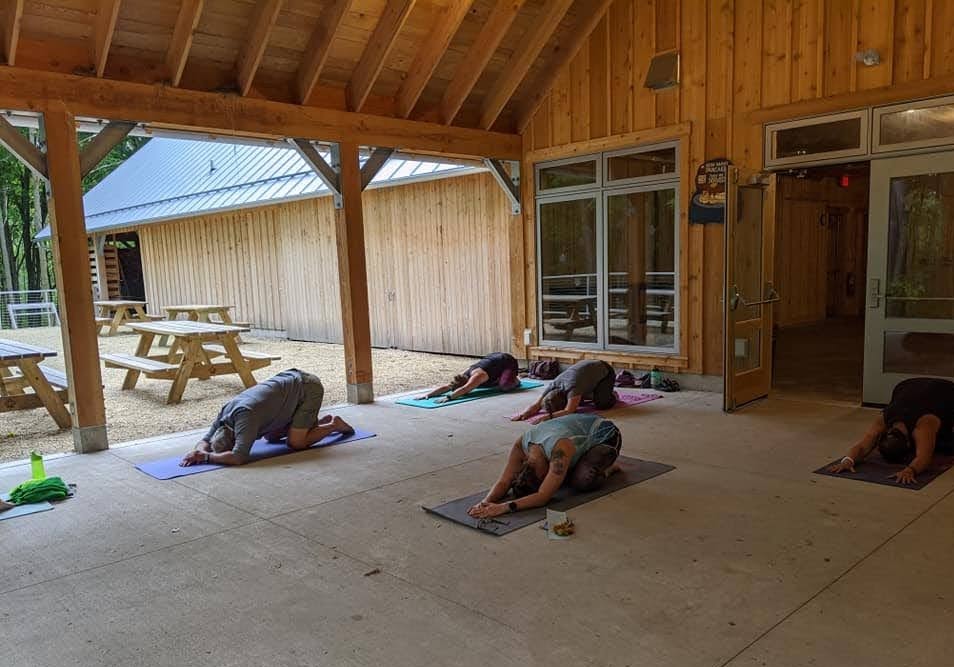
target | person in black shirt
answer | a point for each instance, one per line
(920, 414)
(497, 370)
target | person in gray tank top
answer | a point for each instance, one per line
(588, 380)
(580, 450)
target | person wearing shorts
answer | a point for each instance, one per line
(497, 370)
(283, 407)
(579, 450)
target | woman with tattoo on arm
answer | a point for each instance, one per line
(580, 449)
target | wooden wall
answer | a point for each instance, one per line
(820, 245)
(437, 254)
(742, 62)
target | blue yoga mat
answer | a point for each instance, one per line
(170, 468)
(23, 510)
(472, 396)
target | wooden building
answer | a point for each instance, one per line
(555, 92)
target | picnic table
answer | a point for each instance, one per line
(198, 350)
(202, 312)
(19, 369)
(114, 313)
(577, 308)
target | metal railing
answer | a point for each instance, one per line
(28, 308)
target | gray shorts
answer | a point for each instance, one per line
(313, 393)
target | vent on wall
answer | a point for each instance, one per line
(663, 71)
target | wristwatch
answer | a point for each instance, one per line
(512, 506)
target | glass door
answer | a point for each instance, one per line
(749, 293)
(909, 327)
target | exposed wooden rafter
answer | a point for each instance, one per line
(22, 149)
(178, 108)
(489, 38)
(522, 60)
(430, 55)
(100, 145)
(563, 54)
(178, 52)
(10, 18)
(263, 20)
(373, 165)
(376, 51)
(319, 45)
(104, 24)
(327, 173)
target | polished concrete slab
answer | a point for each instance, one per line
(739, 556)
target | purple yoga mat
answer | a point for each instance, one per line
(170, 468)
(625, 400)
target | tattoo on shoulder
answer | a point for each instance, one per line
(558, 462)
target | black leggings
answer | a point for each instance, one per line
(603, 395)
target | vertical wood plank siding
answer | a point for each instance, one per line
(738, 56)
(438, 266)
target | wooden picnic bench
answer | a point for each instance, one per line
(199, 350)
(203, 312)
(118, 312)
(20, 369)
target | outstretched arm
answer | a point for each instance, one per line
(502, 486)
(435, 392)
(572, 404)
(925, 440)
(477, 378)
(559, 467)
(529, 412)
(862, 448)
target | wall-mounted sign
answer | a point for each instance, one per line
(708, 202)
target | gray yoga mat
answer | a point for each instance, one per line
(875, 470)
(23, 510)
(633, 471)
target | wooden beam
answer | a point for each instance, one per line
(10, 18)
(376, 51)
(178, 52)
(73, 280)
(22, 149)
(430, 55)
(353, 279)
(503, 14)
(325, 171)
(177, 108)
(522, 60)
(373, 165)
(319, 46)
(100, 145)
(104, 24)
(263, 20)
(509, 182)
(563, 55)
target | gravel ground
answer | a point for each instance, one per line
(142, 412)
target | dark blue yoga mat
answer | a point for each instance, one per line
(429, 403)
(170, 468)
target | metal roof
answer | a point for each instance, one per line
(168, 179)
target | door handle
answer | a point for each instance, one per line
(736, 299)
(874, 293)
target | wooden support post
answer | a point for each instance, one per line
(73, 280)
(353, 277)
(99, 253)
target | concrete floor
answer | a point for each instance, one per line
(741, 556)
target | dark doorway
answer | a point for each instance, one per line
(129, 264)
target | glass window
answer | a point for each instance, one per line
(914, 125)
(817, 140)
(641, 265)
(921, 247)
(608, 251)
(626, 166)
(570, 175)
(568, 269)
(919, 353)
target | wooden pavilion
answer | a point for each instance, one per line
(530, 86)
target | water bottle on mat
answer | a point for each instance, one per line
(36, 466)
(655, 378)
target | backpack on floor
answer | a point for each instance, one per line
(544, 369)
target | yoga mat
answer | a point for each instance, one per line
(170, 468)
(626, 400)
(633, 471)
(874, 469)
(429, 403)
(23, 510)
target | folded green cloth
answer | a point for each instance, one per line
(38, 490)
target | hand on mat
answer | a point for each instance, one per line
(906, 476)
(841, 466)
(440, 400)
(192, 458)
(484, 510)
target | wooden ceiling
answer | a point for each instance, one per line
(466, 63)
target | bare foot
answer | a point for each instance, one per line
(612, 470)
(327, 419)
(342, 426)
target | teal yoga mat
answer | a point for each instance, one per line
(472, 396)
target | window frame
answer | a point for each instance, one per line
(879, 150)
(826, 157)
(600, 191)
(552, 192)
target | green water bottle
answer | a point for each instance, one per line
(36, 465)
(655, 378)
